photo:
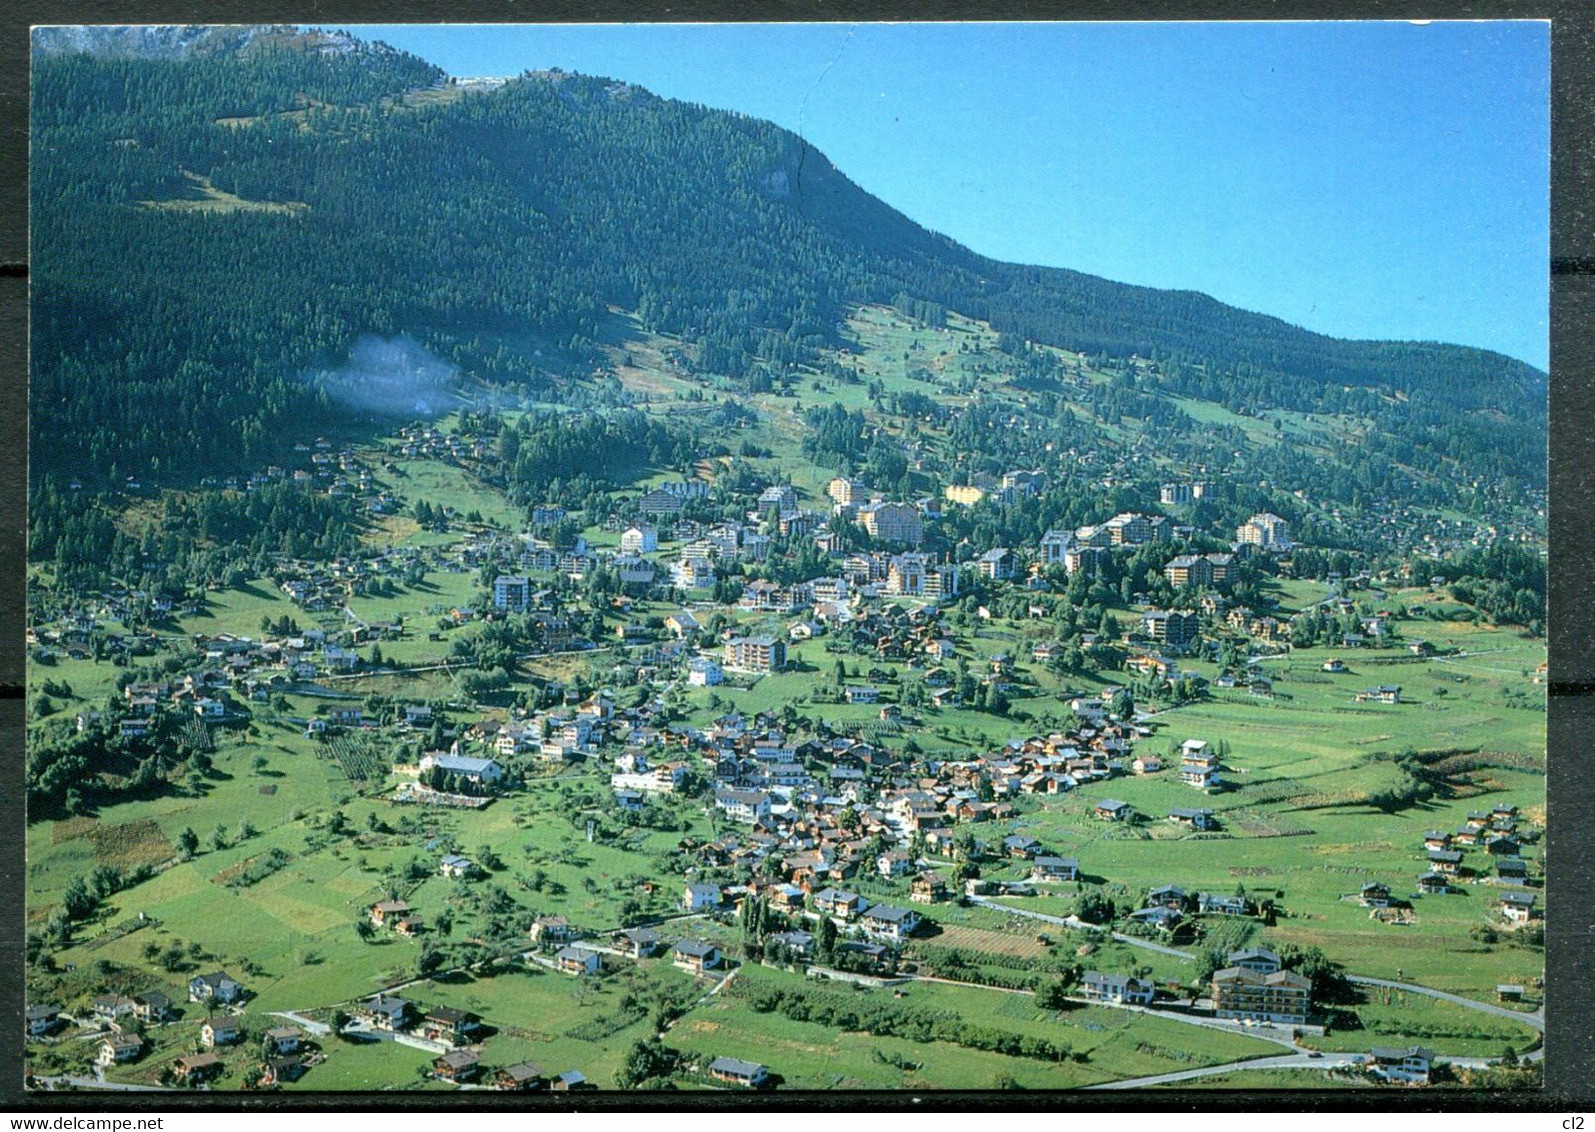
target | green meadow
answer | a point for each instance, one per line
(1114, 1043)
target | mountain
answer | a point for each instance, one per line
(167, 41)
(218, 213)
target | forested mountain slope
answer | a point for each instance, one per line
(214, 217)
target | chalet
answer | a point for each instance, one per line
(733, 1071)
(1215, 904)
(1518, 907)
(1381, 694)
(1111, 809)
(1433, 884)
(1502, 845)
(569, 1081)
(1055, 868)
(578, 961)
(483, 772)
(152, 1006)
(1117, 990)
(1146, 764)
(112, 1007)
(196, 1067)
(1021, 847)
(456, 867)
(385, 1012)
(639, 943)
(701, 897)
(895, 864)
(282, 1040)
(1153, 664)
(695, 955)
(523, 1076)
(449, 1024)
(41, 1019)
(682, 623)
(927, 888)
(842, 905)
(786, 897)
(703, 672)
(1447, 861)
(1512, 869)
(1193, 819)
(1411, 1066)
(388, 912)
(1374, 895)
(221, 1032)
(746, 806)
(885, 921)
(1167, 896)
(1436, 839)
(218, 986)
(457, 1065)
(551, 930)
(119, 1048)
(862, 694)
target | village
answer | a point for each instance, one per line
(808, 805)
(875, 736)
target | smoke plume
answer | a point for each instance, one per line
(392, 376)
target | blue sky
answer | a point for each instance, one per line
(1366, 180)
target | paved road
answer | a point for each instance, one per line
(1535, 1020)
(1291, 1061)
(1136, 941)
(1279, 1035)
(1080, 925)
(53, 1083)
(1261, 1033)
(317, 1029)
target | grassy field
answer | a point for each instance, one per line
(444, 485)
(1247, 1080)
(1396, 1017)
(205, 197)
(805, 1055)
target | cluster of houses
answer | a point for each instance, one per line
(284, 1053)
(1168, 906)
(238, 670)
(1499, 833)
(457, 1034)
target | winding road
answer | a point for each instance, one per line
(1535, 1020)
(1290, 1061)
